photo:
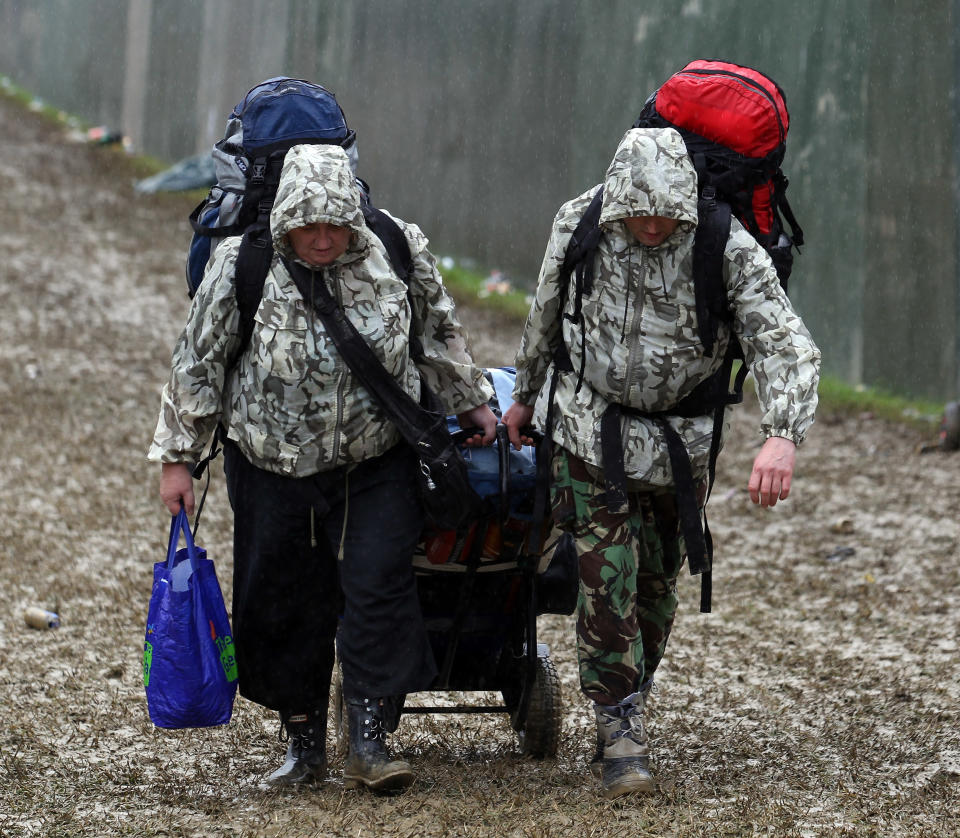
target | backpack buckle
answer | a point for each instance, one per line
(258, 239)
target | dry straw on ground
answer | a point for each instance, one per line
(819, 698)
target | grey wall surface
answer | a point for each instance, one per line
(477, 119)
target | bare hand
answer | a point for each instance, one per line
(176, 486)
(479, 417)
(518, 416)
(772, 471)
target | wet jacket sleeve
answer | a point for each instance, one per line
(446, 365)
(190, 403)
(777, 346)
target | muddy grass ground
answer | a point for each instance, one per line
(819, 698)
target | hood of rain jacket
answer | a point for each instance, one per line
(651, 174)
(317, 185)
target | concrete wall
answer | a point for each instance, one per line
(478, 119)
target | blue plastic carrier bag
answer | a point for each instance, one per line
(189, 665)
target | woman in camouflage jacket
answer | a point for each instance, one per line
(637, 345)
(322, 493)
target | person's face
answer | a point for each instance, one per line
(651, 230)
(320, 243)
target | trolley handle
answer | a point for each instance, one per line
(465, 433)
(503, 452)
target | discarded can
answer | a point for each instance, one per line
(38, 618)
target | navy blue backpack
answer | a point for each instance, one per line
(272, 117)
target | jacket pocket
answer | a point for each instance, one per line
(285, 354)
(287, 346)
(394, 314)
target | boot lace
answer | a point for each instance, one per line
(631, 727)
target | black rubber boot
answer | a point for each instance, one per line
(368, 763)
(307, 749)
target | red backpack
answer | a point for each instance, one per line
(734, 121)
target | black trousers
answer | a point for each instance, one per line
(292, 596)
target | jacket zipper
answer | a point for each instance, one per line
(341, 384)
(629, 378)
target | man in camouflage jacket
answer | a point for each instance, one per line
(323, 495)
(638, 345)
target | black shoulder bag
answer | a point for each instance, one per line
(449, 501)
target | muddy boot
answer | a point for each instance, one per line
(367, 762)
(626, 757)
(596, 764)
(307, 750)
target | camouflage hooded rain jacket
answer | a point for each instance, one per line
(641, 344)
(291, 403)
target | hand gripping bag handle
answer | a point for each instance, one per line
(180, 523)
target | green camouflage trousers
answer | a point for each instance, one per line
(629, 565)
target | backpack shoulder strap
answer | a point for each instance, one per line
(584, 240)
(398, 254)
(393, 238)
(709, 244)
(578, 260)
(253, 264)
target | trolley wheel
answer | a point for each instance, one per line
(950, 429)
(540, 734)
(338, 711)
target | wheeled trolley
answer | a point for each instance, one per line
(481, 591)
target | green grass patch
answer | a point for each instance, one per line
(473, 289)
(140, 165)
(18, 94)
(840, 398)
(837, 396)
